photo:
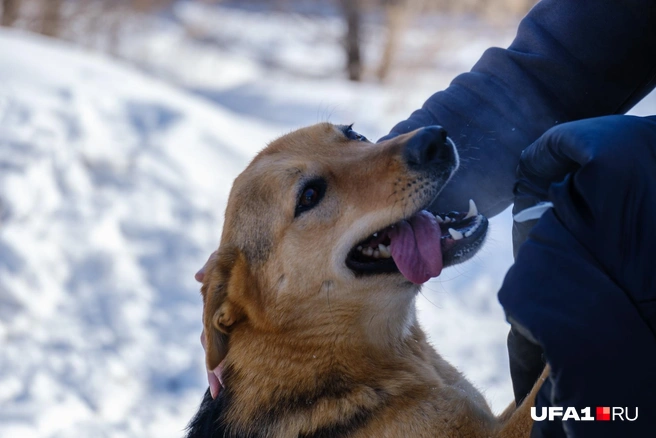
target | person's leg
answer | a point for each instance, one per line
(525, 357)
(526, 363)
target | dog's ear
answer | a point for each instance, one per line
(224, 283)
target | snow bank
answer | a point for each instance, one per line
(112, 186)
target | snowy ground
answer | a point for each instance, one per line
(112, 189)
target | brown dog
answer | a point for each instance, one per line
(310, 303)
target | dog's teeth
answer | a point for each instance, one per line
(447, 219)
(384, 251)
(471, 231)
(455, 234)
(376, 254)
(368, 251)
(360, 248)
(375, 234)
(439, 219)
(473, 211)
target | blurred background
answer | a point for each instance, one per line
(122, 126)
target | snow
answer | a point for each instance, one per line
(111, 189)
(113, 184)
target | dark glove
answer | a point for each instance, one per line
(583, 286)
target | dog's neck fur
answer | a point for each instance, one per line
(264, 370)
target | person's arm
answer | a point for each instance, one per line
(570, 60)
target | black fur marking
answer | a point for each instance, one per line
(209, 423)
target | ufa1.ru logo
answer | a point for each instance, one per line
(603, 413)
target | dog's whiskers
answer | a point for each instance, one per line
(426, 298)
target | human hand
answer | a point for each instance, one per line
(598, 174)
(617, 144)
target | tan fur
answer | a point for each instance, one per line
(307, 344)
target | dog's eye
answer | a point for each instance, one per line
(351, 134)
(311, 194)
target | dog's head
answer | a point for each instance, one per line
(324, 228)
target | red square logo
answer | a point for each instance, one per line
(603, 413)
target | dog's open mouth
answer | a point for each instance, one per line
(421, 245)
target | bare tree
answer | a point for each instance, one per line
(10, 10)
(51, 18)
(353, 13)
(396, 15)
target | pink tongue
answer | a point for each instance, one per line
(415, 247)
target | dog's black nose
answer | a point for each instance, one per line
(428, 147)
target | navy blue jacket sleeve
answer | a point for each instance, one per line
(570, 60)
(583, 286)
